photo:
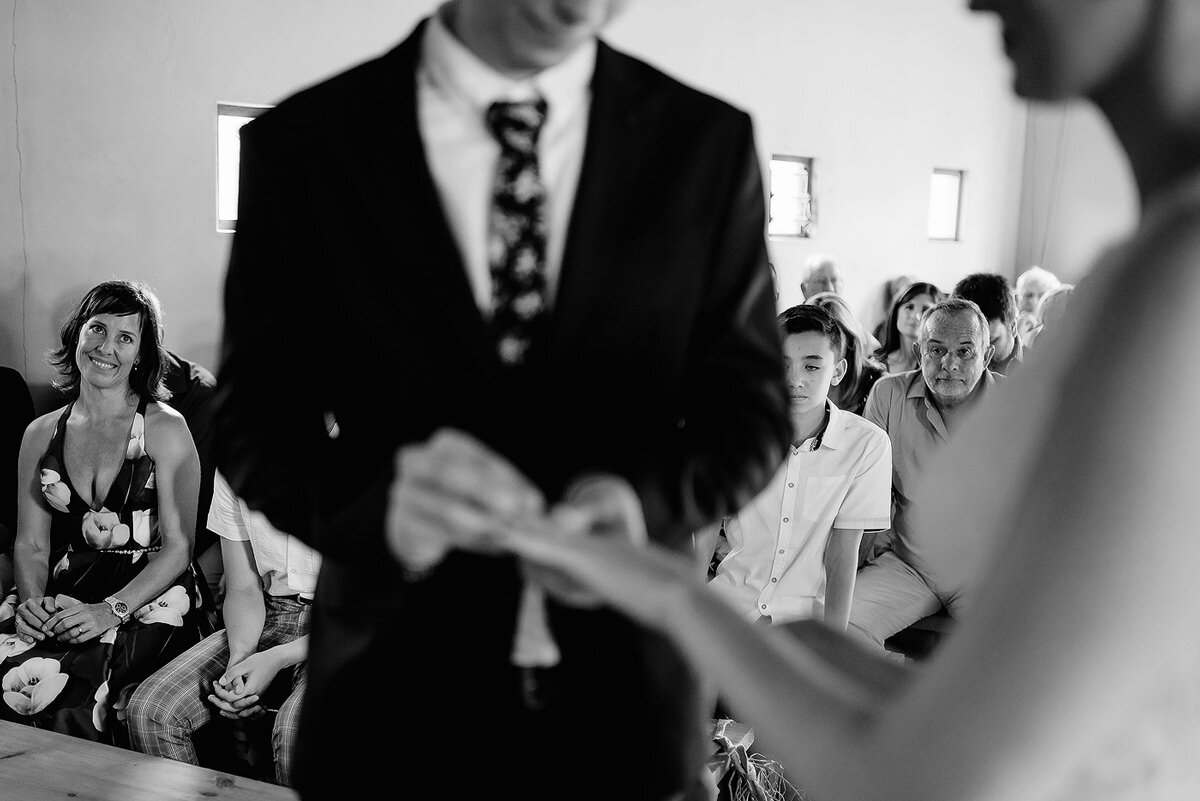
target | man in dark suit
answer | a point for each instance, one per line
(192, 386)
(534, 268)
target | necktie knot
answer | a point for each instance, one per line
(516, 125)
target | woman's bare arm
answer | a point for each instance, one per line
(177, 477)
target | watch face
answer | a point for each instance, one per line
(121, 608)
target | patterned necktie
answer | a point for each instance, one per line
(517, 229)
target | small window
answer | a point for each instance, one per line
(945, 196)
(790, 211)
(230, 119)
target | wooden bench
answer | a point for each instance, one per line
(37, 765)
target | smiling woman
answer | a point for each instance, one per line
(106, 522)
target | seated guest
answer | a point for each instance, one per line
(106, 511)
(1027, 325)
(1051, 308)
(920, 410)
(821, 274)
(270, 577)
(192, 386)
(794, 548)
(991, 293)
(898, 352)
(18, 405)
(887, 296)
(861, 371)
(1031, 285)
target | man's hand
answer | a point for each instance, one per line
(454, 492)
(236, 694)
(32, 615)
(596, 505)
(234, 705)
(611, 504)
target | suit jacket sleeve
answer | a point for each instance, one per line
(735, 426)
(272, 442)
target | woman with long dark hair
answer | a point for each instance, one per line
(898, 351)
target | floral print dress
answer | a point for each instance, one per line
(82, 689)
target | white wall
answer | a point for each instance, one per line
(1077, 194)
(116, 132)
(879, 92)
(117, 101)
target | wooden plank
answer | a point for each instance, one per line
(37, 765)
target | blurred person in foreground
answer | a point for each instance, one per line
(1075, 673)
(511, 208)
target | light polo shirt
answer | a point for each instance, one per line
(287, 566)
(454, 90)
(901, 406)
(776, 560)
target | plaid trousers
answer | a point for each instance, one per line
(169, 706)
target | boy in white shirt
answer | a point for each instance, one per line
(270, 578)
(793, 550)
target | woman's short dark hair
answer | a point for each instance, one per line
(805, 317)
(891, 339)
(119, 298)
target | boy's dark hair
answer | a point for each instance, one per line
(806, 317)
(991, 293)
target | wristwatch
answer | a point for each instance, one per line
(118, 607)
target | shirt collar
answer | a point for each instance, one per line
(834, 433)
(916, 384)
(460, 74)
(835, 430)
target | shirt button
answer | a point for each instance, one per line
(764, 606)
(790, 484)
(785, 519)
(781, 553)
(774, 580)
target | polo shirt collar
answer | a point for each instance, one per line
(835, 430)
(916, 384)
(456, 71)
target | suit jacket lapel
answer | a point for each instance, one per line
(406, 205)
(611, 170)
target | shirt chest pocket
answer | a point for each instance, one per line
(822, 497)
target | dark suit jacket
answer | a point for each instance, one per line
(192, 386)
(346, 295)
(18, 405)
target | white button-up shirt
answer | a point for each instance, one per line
(287, 566)
(775, 565)
(454, 90)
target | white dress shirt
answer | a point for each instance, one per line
(776, 561)
(454, 90)
(286, 565)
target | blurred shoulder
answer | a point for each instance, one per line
(682, 100)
